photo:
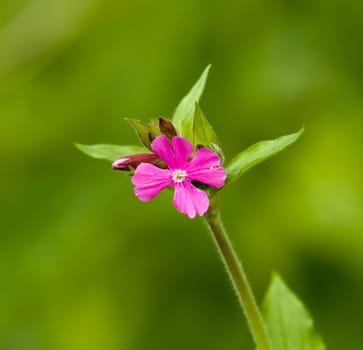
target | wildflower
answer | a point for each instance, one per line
(182, 170)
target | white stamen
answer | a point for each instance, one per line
(179, 175)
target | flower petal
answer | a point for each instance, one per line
(204, 158)
(204, 167)
(214, 177)
(190, 200)
(150, 180)
(183, 149)
(162, 148)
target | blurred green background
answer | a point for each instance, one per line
(83, 263)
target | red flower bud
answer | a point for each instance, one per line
(167, 128)
(132, 161)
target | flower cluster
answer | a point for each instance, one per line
(175, 163)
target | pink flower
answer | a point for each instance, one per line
(204, 167)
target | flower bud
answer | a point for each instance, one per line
(167, 128)
(132, 161)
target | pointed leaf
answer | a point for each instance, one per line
(257, 153)
(145, 132)
(184, 113)
(287, 320)
(109, 152)
(203, 133)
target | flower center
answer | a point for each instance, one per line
(179, 175)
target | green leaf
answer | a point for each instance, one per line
(109, 152)
(145, 132)
(203, 133)
(257, 153)
(287, 320)
(184, 113)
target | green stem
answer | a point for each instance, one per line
(238, 277)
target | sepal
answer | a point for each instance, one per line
(145, 132)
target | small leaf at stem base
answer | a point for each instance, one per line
(288, 322)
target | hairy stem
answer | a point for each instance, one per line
(237, 276)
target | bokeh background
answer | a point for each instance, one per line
(83, 263)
